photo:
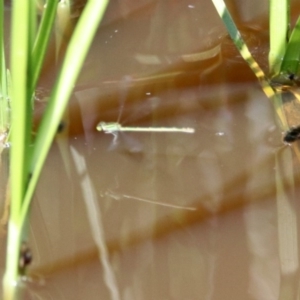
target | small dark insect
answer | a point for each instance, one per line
(292, 135)
(61, 127)
(25, 256)
(292, 77)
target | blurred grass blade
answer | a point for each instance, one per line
(63, 32)
(3, 82)
(279, 31)
(96, 223)
(32, 25)
(63, 27)
(288, 236)
(2, 57)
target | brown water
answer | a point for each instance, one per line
(164, 215)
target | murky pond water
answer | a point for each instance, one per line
(161, 215)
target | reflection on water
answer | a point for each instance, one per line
(130, 197)
(160, 215)
(224, 170)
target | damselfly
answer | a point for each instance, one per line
(115, 127)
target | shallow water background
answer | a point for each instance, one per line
(162, 215)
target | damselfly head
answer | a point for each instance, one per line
(109, 128)
(100, 126)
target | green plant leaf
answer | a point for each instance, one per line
(42, 40)
(279, 31)
(75, 55)
(290, 63)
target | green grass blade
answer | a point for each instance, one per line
(290, 63)
(32, 18)
(242, 47)
(20, 126)
(20, 138)
(75, 55)
(279, 31)
(245, 53)
(2, 61)
(42, 40)
(2, 58)
(3, 83)
(64, 26)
